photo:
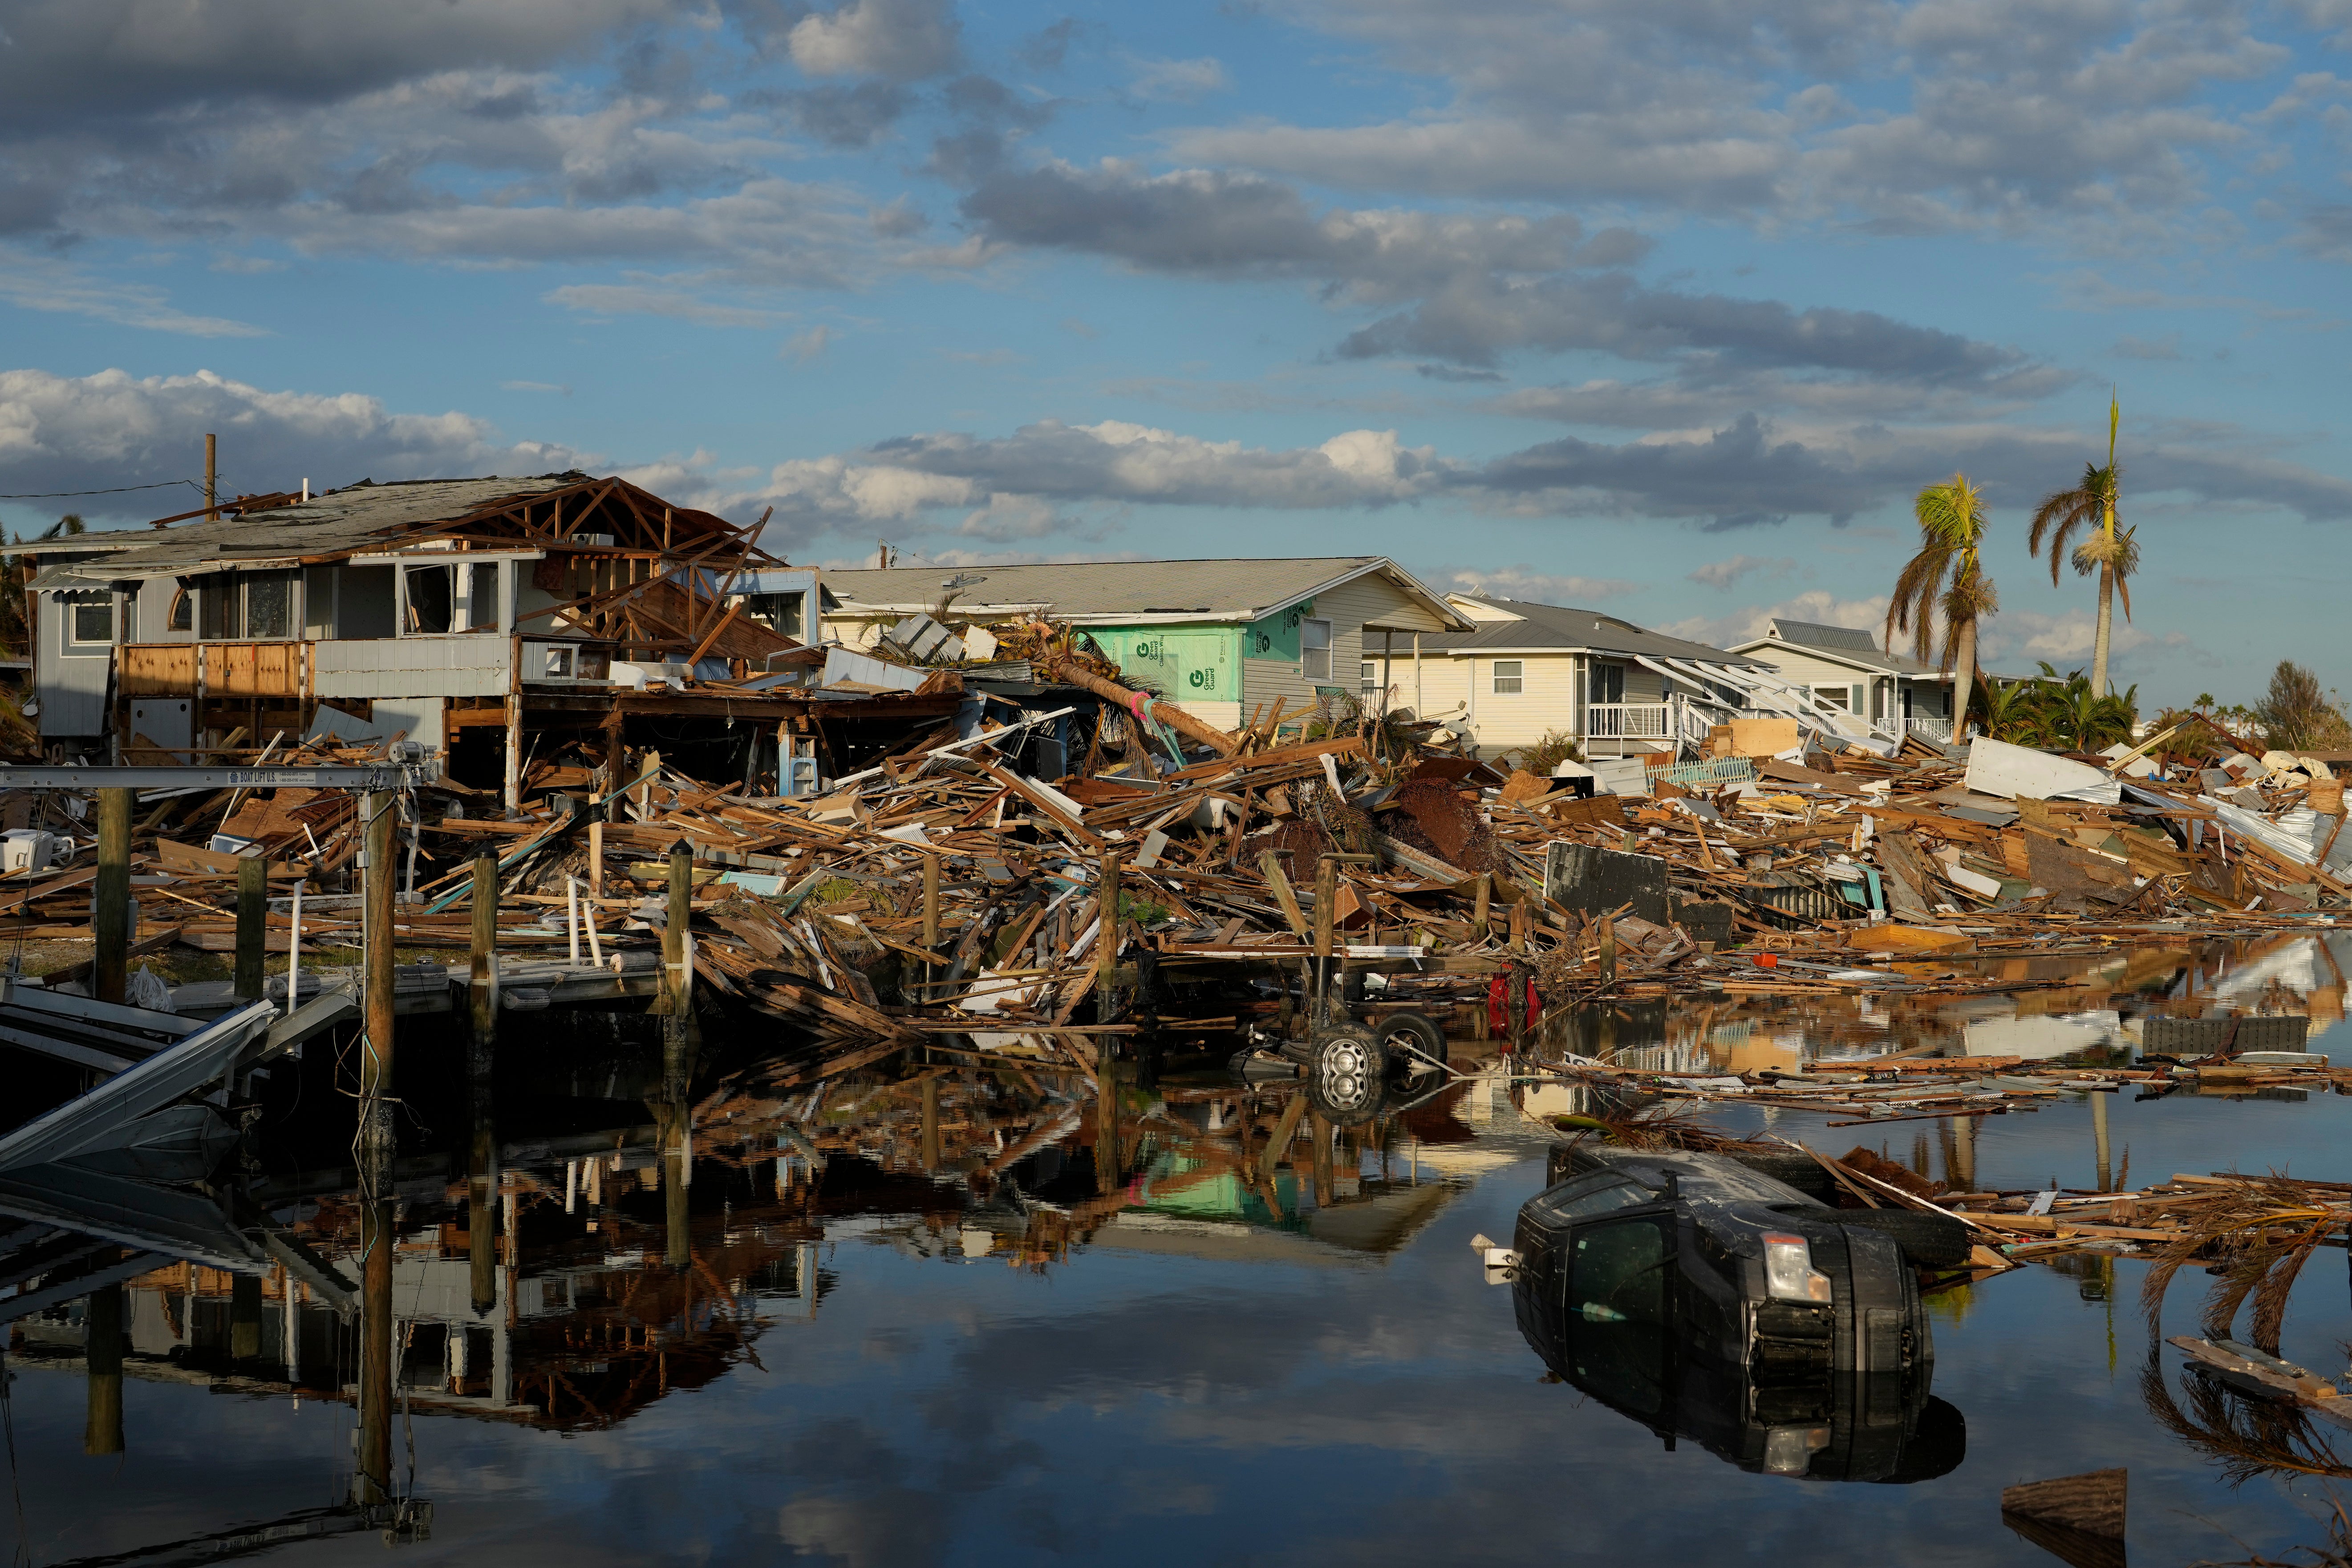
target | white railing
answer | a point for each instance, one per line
(1625, 721)
(1937, 729)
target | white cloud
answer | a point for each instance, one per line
(808, 345)
(110, 429)
(902, 40)
(1524, 581)
(1179, 80)
(1722, 574)
(1012, 517)
(45, 283)
(639, 299)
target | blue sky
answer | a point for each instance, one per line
(1665, 307)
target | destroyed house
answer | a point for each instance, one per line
(481, 617)
(1843, 668)
(1526, 670)
(1216, 637)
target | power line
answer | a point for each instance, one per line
(119, 490)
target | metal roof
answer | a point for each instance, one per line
(334, 523)
(1844, 645)
(1110, 592)
(1557, 628)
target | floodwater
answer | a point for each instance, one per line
(978, 1324)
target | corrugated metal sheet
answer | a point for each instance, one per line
(414, 667)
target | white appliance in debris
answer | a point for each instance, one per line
(28, 849)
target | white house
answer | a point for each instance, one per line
(1845, 667)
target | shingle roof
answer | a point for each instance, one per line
(1848, 645)
(1545, 627)
(1821, 635)
(337, 521)
(1102, 590)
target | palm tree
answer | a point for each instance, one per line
(1947, 575)
(15, 633)
(2115, 556)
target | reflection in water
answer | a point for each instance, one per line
(1798, 1421)
(569, 1247)
(2091, 1008)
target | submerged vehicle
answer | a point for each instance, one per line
(1708, 1300)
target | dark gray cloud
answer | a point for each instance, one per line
(851, 116)
(69, 62)
(1479, 287)
(1747, 471)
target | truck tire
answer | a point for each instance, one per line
(1416, 1030)
(1347, 1075)
(1790, 1169)
(1927, 1240)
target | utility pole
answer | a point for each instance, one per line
(372, 1483)
(211, 450)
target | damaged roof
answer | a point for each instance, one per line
(336, 522)
(1557, 628)
(1105, 593)
(1842, 645)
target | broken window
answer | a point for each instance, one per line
(269, 604)
(782, 612)
(92, 620)
(220, 610)
(1508, 674)
(482, 597)
(1314, 650)
(430, 597)
(183, 616)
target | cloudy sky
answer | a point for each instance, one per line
(1662, 306)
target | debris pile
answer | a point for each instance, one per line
(1067, 860)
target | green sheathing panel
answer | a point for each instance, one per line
(1184, 664)
(1276, 637)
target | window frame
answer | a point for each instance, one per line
(1368, 676)
(74, 607)
(1307, 654)
(1517, 678)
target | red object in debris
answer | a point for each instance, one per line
(1499, 1013)
(1765, 960)
(1534, 1004)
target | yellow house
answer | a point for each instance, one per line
(1527, 669)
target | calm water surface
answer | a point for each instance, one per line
(1045, 1348)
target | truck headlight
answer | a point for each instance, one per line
(1789, 1272)
(1790, 1450)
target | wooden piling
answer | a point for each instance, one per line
(930, 920)
(1107, 946)
(101, 1327)
(111, 915)
(1481, 901)
(677, 1052)
(931, 1124)
(252, 926)
(677, 979)
(245, 1317)
(1327, 898)
(482, 993)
